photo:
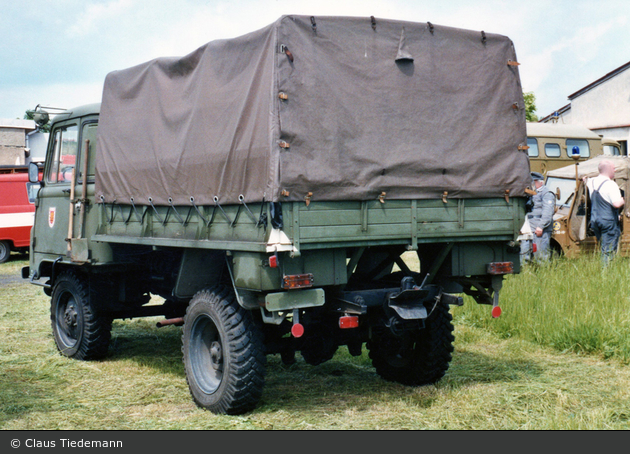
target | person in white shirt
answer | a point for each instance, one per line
(606, 199)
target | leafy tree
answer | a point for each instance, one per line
(530, 106)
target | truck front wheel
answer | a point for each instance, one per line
(79, 332)
(223, 353)
(418, 357)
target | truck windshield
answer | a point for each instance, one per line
(564, 187)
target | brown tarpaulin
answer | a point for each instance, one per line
(409, 109)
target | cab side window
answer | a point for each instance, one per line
(65, 148)
(88, 139)
(552, 150)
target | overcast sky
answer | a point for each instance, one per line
(57, 52)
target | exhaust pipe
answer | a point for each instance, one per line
(179, 321)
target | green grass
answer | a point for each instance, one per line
(557, 362)
(569, 305)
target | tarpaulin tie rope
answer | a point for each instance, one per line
(179, 218)
(156, 211)
(206, 222)
(262, 219)
(313, 24)
(133, 207)
(483, 37)
(241, 198)
(373, 21)
(431, 27)
(216, 201)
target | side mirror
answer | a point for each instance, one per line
(33, 172)
(41, 118)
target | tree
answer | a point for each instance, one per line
(530, 106)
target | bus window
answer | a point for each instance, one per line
(532, 151)
(582, 144)
(552, 150)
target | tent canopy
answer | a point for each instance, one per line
(344, 108)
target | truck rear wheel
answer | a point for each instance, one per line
(79, 332)
(5, 251)
(223, 353)
(419, 357)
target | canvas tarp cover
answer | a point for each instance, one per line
(407, 109)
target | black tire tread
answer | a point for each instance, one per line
(431, 356)
(246, 379)
(96, 335)
(5, 251)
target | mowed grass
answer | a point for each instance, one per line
(556, 359)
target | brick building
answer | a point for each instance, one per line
(14, 135)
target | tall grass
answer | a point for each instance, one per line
(569, 304)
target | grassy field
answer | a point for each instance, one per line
(556, 359)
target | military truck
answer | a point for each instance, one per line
(551, 145)
(571, 234)
(265, 189)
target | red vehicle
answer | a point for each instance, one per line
(17, 210)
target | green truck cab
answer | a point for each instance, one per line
(271, 205)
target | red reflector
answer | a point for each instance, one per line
(297, 330)
(348, 321)
(273, 261)
(534, 248)
(297, 281)
(500, 268)
(496, 312)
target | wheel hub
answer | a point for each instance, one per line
(216, 355)
(70, 316)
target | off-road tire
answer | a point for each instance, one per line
(5, 251)
(427, 357)
(79, 331)
(223, 353)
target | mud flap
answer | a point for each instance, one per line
(409, 304)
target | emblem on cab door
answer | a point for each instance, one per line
(51, 216)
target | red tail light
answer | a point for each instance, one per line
(348, 321)
(500, 268)
(297, 281)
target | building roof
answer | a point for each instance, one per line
(601, 80)
(17, 124)
(559, 112)
(568, 131)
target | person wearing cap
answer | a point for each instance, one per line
(606, 199)
(541, 217)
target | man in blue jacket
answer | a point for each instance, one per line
(541, 217)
